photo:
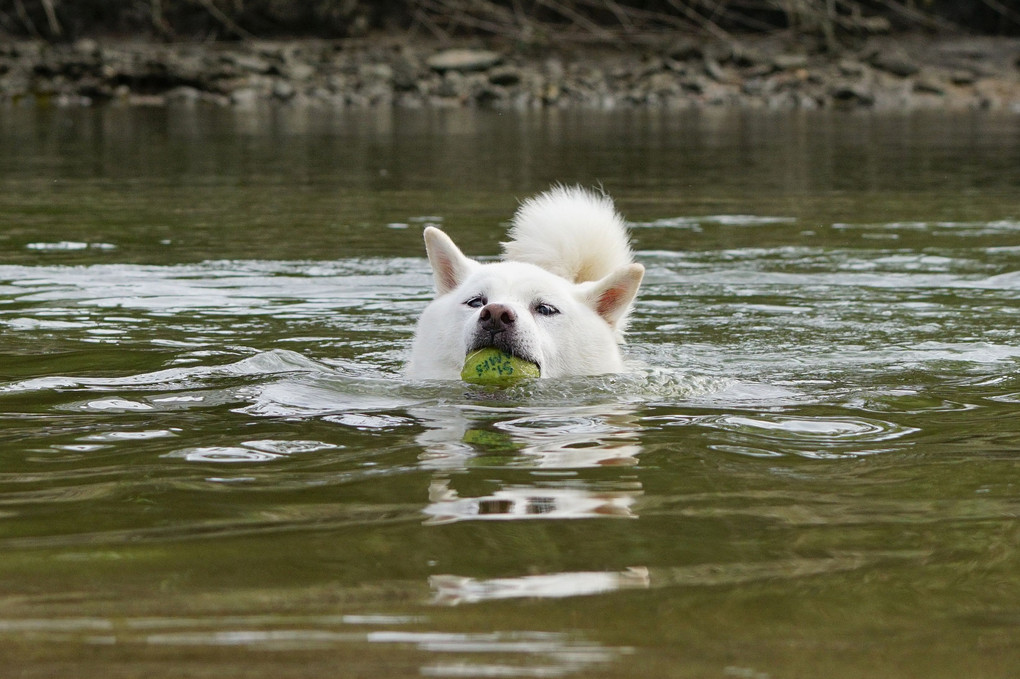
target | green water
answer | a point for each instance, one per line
(211, 466)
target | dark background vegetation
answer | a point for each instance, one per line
(527, 21)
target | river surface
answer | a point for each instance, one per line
(211, 465)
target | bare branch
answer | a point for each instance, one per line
(26, 20)
(1006, 12)
(227, 22)
(51, 17)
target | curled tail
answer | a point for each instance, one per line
(570, 231)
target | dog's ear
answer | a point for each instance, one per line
(449, 265)
(611, 296)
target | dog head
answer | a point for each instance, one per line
(565, 328)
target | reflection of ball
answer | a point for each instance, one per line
(492, 366)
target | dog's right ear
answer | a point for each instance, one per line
(449, 265)
(611, 297)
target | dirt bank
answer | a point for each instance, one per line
(886, 73)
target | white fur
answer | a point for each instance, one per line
(568, 252)
(571, 232)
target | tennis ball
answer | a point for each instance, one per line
(492, 366)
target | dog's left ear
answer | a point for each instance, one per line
(449, 265)
(611, 296)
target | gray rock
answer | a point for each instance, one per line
(663, 83)
(753, 87)
(789, 62)
(14, 85)
(693, 84)
(851, 94)
(720, 74)
(746, 57)
(505, 76)
(875, 25)
(245, 97)
(929, 85)
(714, 70)
(489, 95)
(463, 60)
(87, 47)
(963, 77)
(183, 95)
(299, 70)
(452, 86)
(376, 72)
(248, 63)
(852, 68)
(405, 75)
(555, 69)
(686, 49)
(895, 62)
(283, 90)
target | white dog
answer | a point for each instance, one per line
(559, 298)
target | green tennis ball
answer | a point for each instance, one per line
(492, 366)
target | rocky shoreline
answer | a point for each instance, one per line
(886, 73)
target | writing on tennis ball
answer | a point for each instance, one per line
(492, 366)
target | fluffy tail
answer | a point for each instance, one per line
(570, 231)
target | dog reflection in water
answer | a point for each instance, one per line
(451, 590)
(528, 502)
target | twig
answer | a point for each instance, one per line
(455, 13)
(701, 21)
(227, 22)
(916, 15)
(51, 17)
(159, 21)
(829, 26)
(620, 13)
(743, 19)
(1002, 9)
(647, 21)
(421, 17)
(579, 19)
(26, 20)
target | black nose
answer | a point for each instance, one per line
(496, 317)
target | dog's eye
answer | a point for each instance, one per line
(546, 309)
(476, 302)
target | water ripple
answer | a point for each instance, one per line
(820, 437)
(442, 653)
